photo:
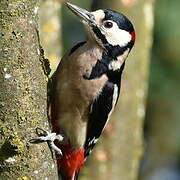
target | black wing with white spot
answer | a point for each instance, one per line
(101, 110)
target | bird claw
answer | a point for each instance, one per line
(46, 136)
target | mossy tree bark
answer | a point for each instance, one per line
(23, 94)
(119, 151)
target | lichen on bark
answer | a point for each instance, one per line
(23, 94)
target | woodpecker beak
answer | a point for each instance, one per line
(85, 15)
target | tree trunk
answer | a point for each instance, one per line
(118, 153)
(23, 94)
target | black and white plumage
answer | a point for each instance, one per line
(101, 110)
(107, 99)
(86, 85)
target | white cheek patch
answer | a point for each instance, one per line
(116, 36)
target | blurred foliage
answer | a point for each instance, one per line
(50, 31)
(73, 30)
(162, 127)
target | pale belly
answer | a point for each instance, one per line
(74, 108)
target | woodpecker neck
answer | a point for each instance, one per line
(111, 60)
(115, 50)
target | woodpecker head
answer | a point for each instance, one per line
(110, 29)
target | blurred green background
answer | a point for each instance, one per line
(162, 122)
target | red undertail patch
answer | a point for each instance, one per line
(71, 162)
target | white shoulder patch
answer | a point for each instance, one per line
(116, 64)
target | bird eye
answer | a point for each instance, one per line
(108, 24)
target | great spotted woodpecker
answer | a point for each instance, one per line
(85, 87)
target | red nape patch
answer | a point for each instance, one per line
(71, 162)
(133, 36)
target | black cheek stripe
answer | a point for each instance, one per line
(99, 35)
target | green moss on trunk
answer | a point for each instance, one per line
(23, 94)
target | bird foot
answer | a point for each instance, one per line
(46, 136)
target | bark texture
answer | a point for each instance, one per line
(23, 95)
(119, 151)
